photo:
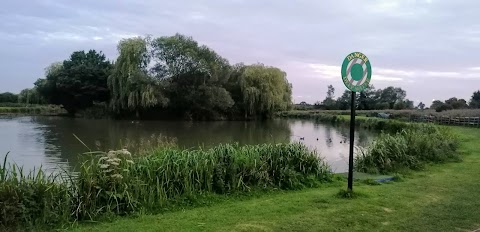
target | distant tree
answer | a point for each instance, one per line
(8, 97)
(440, 106)
(457, 103)
(30, 96)
(390, 96)
(367, 99)
(475, 100)
(78, 82)
(421, 106)
(303, 103)
(329, 101)
(343, 102)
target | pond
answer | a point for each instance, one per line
(51, 142)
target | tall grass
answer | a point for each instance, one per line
(32, 199)
(411, 148)
(118, 183)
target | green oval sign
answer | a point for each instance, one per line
(356, 72)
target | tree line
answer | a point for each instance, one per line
(387, 98)
(26, 96)
(170, 76)
(369, 99)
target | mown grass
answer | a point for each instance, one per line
(439, 198)
(115, 183)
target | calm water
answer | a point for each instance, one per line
(49, 141)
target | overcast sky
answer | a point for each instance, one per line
(428, 47)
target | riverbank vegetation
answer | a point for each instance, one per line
(402, 115)
(117, 183)
(32, 109)
(438, 198)
(410, 148)
(165, 77)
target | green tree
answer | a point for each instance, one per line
(8, 97)
(343, 102)
(329, 101)
(440, 106)
(264, 90)
(421, 106)
(367, 99)
(475, 100)
(389, 96)
(30, 96)
(457, 103)
(131, 87)
(196, 76)
(78, 82)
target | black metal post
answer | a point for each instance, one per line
(352, 137)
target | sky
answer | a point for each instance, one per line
(429, 48)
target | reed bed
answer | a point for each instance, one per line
(120, 183)
(410, 148)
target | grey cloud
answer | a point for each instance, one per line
(433, 40)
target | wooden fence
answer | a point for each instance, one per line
(460, 121)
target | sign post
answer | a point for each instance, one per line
(356, 75)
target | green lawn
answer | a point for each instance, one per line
(443, 198)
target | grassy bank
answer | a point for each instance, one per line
(440, 198)
(115, 183)
(33, 110)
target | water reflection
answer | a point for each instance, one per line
(331, 142)
(50, 141)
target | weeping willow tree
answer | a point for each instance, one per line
(264, 90)
(131, 88)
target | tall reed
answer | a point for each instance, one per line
(411, 148)
(120, 183)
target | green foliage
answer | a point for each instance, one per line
(411, 148)
(30, 96)
(115, 183)
(78, 82)
(8, 97)
(170, 76)
(475, 100)
(132, 89)
(195, 76)
(371, 99)
(329, 101)
(262, 90)
(33, 199)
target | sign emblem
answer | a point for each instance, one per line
(356, 72)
